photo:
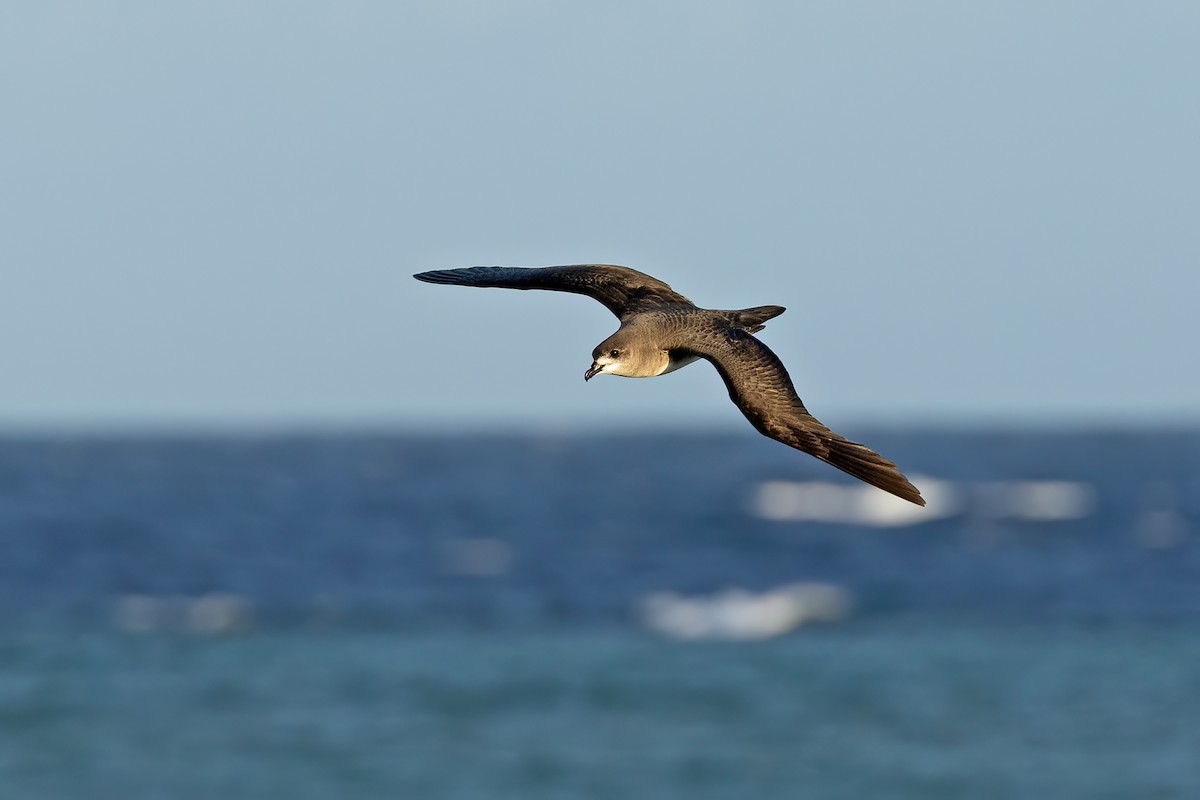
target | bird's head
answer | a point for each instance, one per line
(605, 360)
(621, 354)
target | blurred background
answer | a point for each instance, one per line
(277, 520)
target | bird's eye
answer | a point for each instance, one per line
(614, 353)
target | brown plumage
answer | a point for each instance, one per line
(662, 330)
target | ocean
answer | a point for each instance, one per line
(685, 615)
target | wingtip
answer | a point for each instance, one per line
(897, 484)
(436, 276)
(462, 276)
(900, 486)
(868, 466)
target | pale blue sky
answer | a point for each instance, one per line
(974, 212)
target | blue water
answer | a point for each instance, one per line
(367, 657)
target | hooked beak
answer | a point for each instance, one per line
(592, 371)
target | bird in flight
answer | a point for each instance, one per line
(661, 331)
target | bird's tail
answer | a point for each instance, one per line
(753, 320)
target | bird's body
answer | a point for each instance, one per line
(662, 331)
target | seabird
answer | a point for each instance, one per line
(661, 331)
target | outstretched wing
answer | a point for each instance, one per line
(760, 386)
(622, 290)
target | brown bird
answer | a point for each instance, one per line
(661, 331)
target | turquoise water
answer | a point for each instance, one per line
(882, 709)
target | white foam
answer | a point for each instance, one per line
(819, 501)
(742, 615)
(209, 614)
(1036, 501)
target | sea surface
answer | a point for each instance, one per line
(400, 616)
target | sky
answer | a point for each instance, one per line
(975, 213)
